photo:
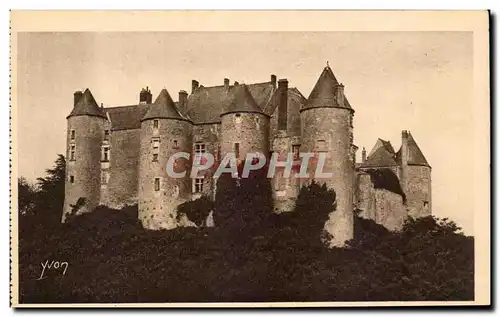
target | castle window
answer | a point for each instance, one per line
(72, 153)
(157, 184)
(321, 146)
(156, 149)
(106, 134)
(296, 150)
(71, 179)
(237, 150)
(199, 148)
(176, 146)
(156, 124)
(105, 154)
(198, 185)
(104, 177)
(72, 135)
(426, 203)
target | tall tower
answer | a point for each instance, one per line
(326, 123)
(85, 133)
(164, 132)
(244, 127)
(415, 177)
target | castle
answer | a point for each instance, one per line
(117, 155)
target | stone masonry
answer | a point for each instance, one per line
(117, 156)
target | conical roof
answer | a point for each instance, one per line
(240, 100)
(324, 92)
(87, 106)
(415, 155)
(163, 108)
(382, 154)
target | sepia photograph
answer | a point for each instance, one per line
(201, 159)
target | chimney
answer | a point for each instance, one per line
(183, 100)
(404, 147)
(145, 96)
(273, 80)
(76, 97)
(236, 83)
(363, 155)
(194, 85)
(282, 104)
(339, 95)
(226, 83)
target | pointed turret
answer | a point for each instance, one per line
(240, 100)
(85, 133)
(327, 92)
(163, 108)
(415, 175)
(86, 106)
(414, 154)
(326, 121)
(164, 132)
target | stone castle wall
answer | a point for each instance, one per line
(85, 170)
(250, 130)
(418, 190)
(157, 208)
(123, 168)
(329, 130)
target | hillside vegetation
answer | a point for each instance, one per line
(251, 254)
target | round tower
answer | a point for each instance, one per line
(415, 175)
(244, 127)
(85, 133)
(164, 132)
(326, 123)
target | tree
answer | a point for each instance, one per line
(26, 193)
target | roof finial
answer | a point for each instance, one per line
(327, 65)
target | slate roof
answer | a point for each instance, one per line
(163, 108)
(87, 106)
(294, 95)
(415, 155)
(382, 154)
(127, 117)
(323, 93)
(206, 104)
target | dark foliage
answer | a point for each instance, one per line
(196, 210)
(251, 255)
(41, 205)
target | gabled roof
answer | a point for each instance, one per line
(127, 117)
(207, 104)
(87, 106)
(163, 108)
(382, 154)
(323, 94)
(415, 155)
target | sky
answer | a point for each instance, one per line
(417, 81)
